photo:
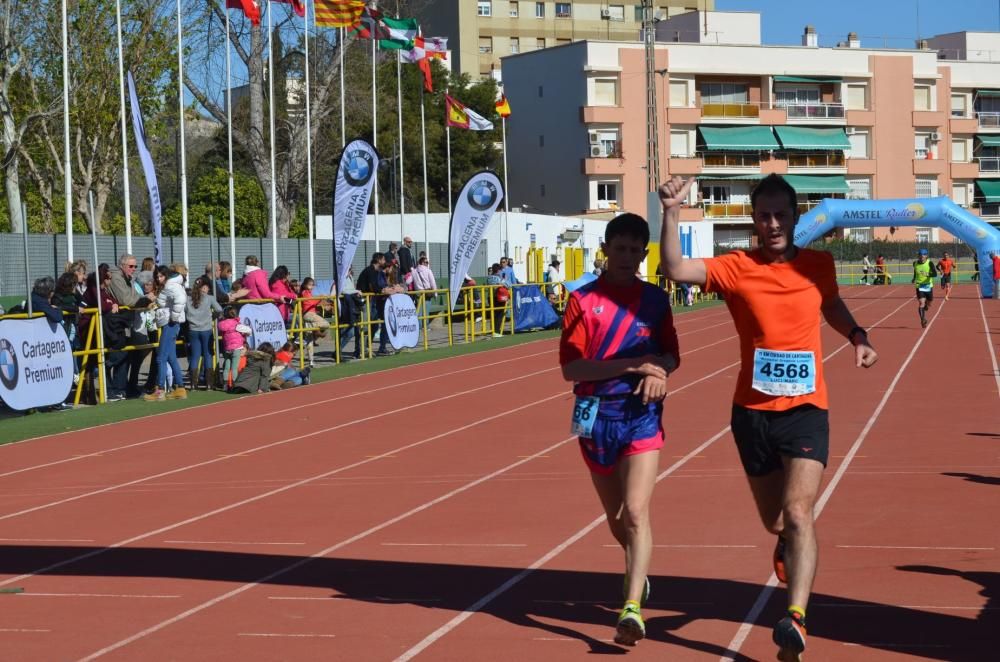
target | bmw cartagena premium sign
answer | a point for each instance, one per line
(355, 179)
(473, 212)
(266, 325)
(401, 321)
(36, 363)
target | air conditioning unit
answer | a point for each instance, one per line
(595, 138)
(605, 13)
(598, 151)
(935, 137)
(852, 130)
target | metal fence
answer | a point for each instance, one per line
(47, 255)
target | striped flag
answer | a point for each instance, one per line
(338, 13)
(401, 33)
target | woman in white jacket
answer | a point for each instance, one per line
(171, 299)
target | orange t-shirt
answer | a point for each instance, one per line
(946, 266)
(775, 307)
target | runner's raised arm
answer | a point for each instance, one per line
(673, 193)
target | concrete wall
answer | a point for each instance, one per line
(556, 116)
(713, 27)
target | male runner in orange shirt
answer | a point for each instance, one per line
(778, 295)
(944, 267)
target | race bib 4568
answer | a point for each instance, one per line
(784, 373)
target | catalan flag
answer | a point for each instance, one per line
(338, 13)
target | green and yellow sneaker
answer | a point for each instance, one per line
(631, 627)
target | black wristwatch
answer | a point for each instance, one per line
(855, 331)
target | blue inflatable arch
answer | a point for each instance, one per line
(940, 212)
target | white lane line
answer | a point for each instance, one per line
(339, 379)
(227, 542)
(25, 630)
(96, 595)
(555, 551)
(254, 417)
(332, 548)
(287, 634)
(765, 595)
(551, 554)
(946, 549)
(279, 490)
(46, 540)
(453, 544)
(275, 444)
(989, 343)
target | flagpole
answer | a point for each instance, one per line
(270, 107)
(506, 197)
(229, 140)
(309, 180)
(180, 103)
(121, 96)
(423, 149)
(399, 113)
(375, 130)
(67, 169)
(343, 127)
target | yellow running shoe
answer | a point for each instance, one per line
(631, 627)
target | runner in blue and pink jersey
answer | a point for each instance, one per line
(618, 346)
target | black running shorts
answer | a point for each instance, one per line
(929, 295)
(764, 437)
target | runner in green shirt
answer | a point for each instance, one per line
(923, 278)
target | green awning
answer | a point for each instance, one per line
(799, 138)
(990, 188)
(818, 183)
(806, 79)
(738, 138)
(988, 93)
(988, 140)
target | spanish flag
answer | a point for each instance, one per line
(503, 107)
(338, 13)
(463, 118)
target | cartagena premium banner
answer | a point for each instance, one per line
(470, 219)
(148, 171)
(355, 179)
(401, 321)
(36, 363)
(266, 325)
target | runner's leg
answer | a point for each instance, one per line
(609, 491)
(767, 493)
(638, 477)
(799, 498)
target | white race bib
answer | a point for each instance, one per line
(784, 373)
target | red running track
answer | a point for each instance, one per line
(442, 512)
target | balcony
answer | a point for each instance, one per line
(741, 111)
(812, 111)
(727, 210)
(684, 165)
(963, 124)
(816, 160)
(603, 166)
(925, 166)
(677, 115)
(988, 120)
(936, 118)
(731, 161)
(964, 170)
(989, 164)
(602, 114)
(860, 166)
(858, 117)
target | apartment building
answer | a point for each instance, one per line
(483, 31)
(850, 122)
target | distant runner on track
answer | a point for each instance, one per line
(619, 345)
(944, 267)
(778, 296)
(923, 278)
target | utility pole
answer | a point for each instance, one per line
(652, 131)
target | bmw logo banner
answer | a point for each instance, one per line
(36, 363)
(470, 219)
(355, 179)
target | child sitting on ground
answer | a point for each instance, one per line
(283, 373)
(256, 374)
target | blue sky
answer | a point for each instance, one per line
(879, 23)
